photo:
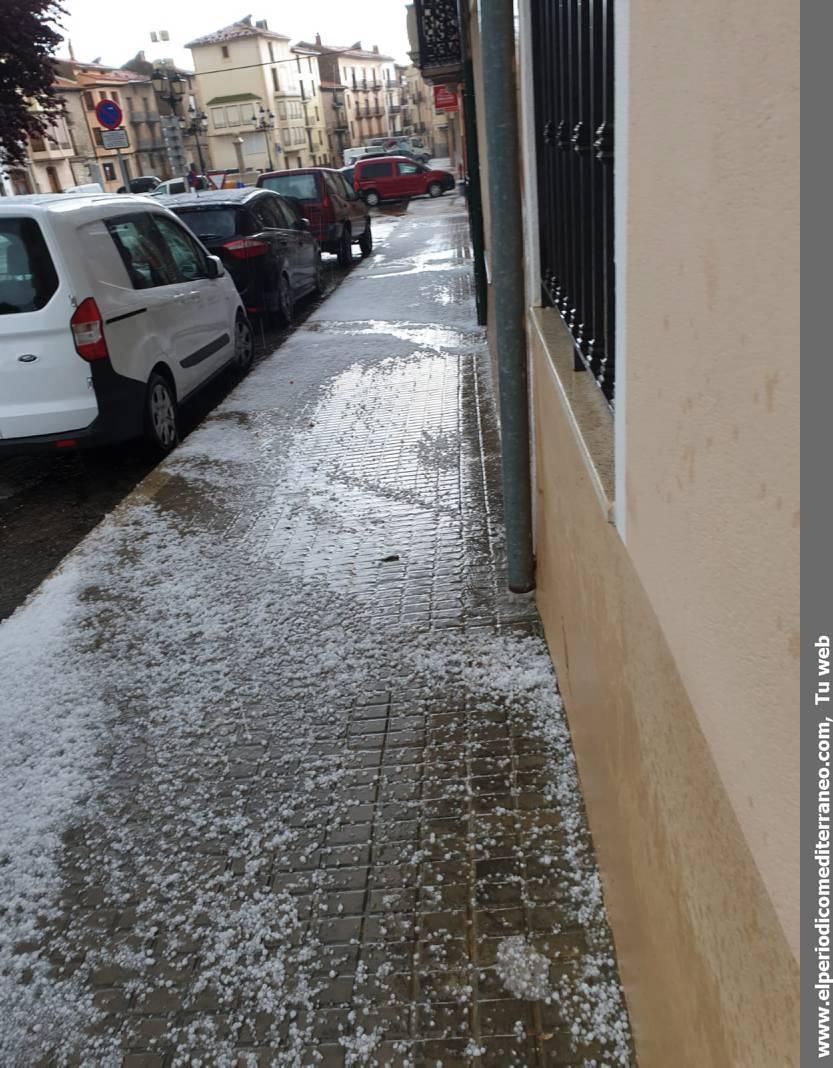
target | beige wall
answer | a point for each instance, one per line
(226, 79)
(711, 402)
(709, 977)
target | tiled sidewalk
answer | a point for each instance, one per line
(315, 792)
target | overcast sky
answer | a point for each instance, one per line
(117, 33)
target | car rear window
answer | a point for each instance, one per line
(211, 223)
(302, 186)
(27, 274)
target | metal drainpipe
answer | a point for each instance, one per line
(497, 44)
(474, 197)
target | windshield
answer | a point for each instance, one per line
(302, 186)
(27, 274)
(209, 223)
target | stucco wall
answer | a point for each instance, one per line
(711, 435)
(709, 977)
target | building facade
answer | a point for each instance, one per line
(660, 217)
(335, 121)
(419, 116)
(368, 82)
(83, 86)
(249, 81)
(315, 124)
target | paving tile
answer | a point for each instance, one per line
(333, 842)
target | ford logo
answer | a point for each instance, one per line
(27, 357)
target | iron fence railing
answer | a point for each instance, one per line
(573, 76)
(438, 31)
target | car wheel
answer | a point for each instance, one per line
(435, 190)
(372, 198)
(244, 348)
(285, 301)
(161, 429)
(366, 241)
(345, 248)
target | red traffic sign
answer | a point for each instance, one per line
(444, 99)
(109, 114)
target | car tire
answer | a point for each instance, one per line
(244, 346)
(372, 198)
(345, 248)
(161, 429)
(435, 189)
(366, 241)
(285, 301)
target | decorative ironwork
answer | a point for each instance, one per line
(573, 75)
(438, 28)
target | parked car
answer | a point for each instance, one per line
(179, 185)
(396, 178)
(412, 147)
(347, 174)
(263, 242)
(338, 216)
(113, 314)
(146, 184)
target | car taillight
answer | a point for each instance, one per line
(245, 248)
(88, 331)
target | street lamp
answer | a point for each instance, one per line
(265, 124)
(194, 125)
(169, 87)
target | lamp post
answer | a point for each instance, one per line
(194, 125)
(238, 151)
(170, 87)
(265, 124)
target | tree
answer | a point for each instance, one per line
(27, 101)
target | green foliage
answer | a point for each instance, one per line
(27, 40)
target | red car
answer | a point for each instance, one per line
(338, 216)
(396, 178)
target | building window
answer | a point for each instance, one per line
(115, 96)
(271, 53)
(224, 52)
(574, 109)
(130, 105)
(97, 136)
(102, 95)
(218, 116)
(275, 83)
(109, 170)
(89, 102)
(233, 116)
(309, 64)
(317, 115)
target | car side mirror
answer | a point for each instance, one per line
(303, 224)
(215, 267)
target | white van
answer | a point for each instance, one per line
(111, 314)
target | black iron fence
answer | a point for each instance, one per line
(573, 74)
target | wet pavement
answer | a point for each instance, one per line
(285, 774)
(48, 503)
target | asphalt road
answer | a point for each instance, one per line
(48, 504)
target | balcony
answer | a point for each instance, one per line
(143, 116)
(439, 52)
(394, 109)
